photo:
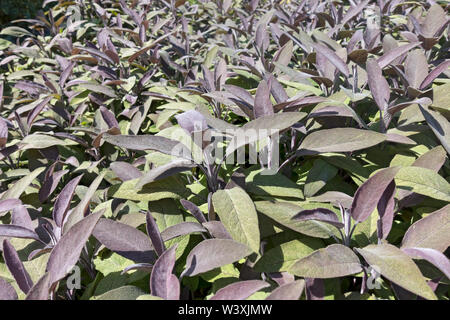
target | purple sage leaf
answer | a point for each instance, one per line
(7, 291)
(63, 200)
(16, 267)
(239, 290)
(154, 234)
(163, 283)
(319, 214)
(369, 193)
(288, 291)
(67, 251)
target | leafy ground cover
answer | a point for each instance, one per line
(226, 150)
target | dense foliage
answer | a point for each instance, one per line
(18, 9)
(118, 121)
